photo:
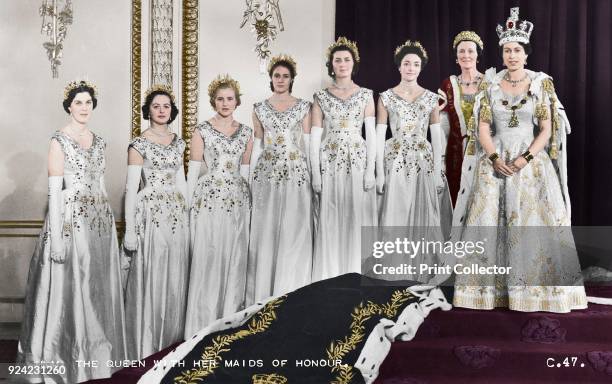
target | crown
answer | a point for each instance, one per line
(161, 88)
(468, 36)
(79, 83)
(344, 42)
(410, 43)
(515, 29)
(273, 378)
(221, 81)
(286, 58)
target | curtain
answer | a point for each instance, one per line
(571, 41)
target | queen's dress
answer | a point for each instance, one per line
(523, 220)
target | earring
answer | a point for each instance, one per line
(457, 61)
(333, 73)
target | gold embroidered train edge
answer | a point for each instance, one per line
(189, 73)
(338, 349)
(272, 378)
(136, 83)
(221, 343)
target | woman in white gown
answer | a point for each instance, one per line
(157, 231)
(342, 165)
(409, 168)
(220, 210)
(74, 300)
(280, 248)
(511, 194)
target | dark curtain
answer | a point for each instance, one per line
(571, 42)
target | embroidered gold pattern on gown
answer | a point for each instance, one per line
(410, 198)
(344, 204)
(280, 248)
(156, 293)
(74, 309)
(219, 220)
(524, 220)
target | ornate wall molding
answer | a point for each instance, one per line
(189, 73)
(161, 41)
(136, 86)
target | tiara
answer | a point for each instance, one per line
(160, 88)
(468, 36)
(286, 58)
(515, 30)
(79, 83)
(344, 42)
(272, 378)
(410, 43)
(223, 80)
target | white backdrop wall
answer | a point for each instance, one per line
(225, 48)
(97, 45)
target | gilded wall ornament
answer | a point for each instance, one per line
(55, 25)
(264, 17)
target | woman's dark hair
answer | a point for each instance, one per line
(286, 64)
(526, 48)
(397, 59)
(147, 106)
(74, 91)
(330, 65)
(478, 49)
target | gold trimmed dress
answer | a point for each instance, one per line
(523, 219)
(219, 219)
(156, 292)
(74, 309)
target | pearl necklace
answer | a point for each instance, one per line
(160, 134)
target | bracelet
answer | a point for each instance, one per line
(528, 156)
(494, 156)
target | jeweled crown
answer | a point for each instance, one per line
(79, 83)
(160, 87)
(343, 41)
(223, 81)
(515, 30)
(410, 43)
(468, 36)
(283, 57)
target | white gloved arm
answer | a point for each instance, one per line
(257, 150)
(103, 186)
(307, 148)
(381, 133)
(436, 143)
(193, 174)
(368, 179)
(181, 183)
(315, 157)
(58, 252)
(130, 241)
(244, 172)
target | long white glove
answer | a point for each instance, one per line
(130, 240)
(244, 172)
(369, 181)
(58, 252)
(193, 174)
(436, 142)
(381, 134)
(103, 186)
(307, 147)
(255, 153)
(181, 183)
(315, 157)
